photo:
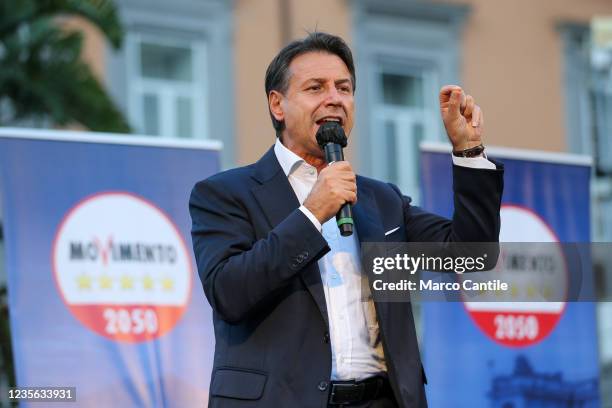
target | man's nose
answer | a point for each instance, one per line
(333, 97)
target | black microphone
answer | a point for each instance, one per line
(332, 140)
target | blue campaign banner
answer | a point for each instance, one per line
(103, 292)
(473, 355)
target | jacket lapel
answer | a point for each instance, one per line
(277, 200)
(370, 229)
(274, 193)
(366, 215)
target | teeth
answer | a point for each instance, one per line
(331, 120)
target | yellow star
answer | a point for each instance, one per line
(127, 282)
(514, 291)
(167, 284)
(148, 282)
(83, 281)
(106, 282)
(531, 291)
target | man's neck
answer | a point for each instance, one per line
(316, 161)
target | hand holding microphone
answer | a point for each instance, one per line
(336, 188)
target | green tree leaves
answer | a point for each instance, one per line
(41, 72)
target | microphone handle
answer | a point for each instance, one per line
(344, 217)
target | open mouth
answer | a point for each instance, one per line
(330, 119)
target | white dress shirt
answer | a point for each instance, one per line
(356, 346)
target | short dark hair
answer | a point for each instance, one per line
(277, 74)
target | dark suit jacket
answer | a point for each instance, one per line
(257, 258)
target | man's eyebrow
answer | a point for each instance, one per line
(318, 80)
(323, 80)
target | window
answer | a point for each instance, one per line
(167, 86)
(403, 110)
(600, 99)
(588, 106)
(173, 74)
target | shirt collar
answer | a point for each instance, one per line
(288, 160)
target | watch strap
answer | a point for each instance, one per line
(471, 152)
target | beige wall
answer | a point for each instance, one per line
(258, 36)
(512, 62)
(331, 16)
(93, 53)
(93, 44)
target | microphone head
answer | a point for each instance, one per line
(331, 132)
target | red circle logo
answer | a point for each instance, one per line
(122, 267)
(522, 316)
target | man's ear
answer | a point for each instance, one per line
(274, 103)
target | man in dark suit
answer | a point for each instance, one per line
(291, 326)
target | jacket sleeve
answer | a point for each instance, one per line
(239, 273)
(477, 199)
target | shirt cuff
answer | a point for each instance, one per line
(474, 162)
(311, 217)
